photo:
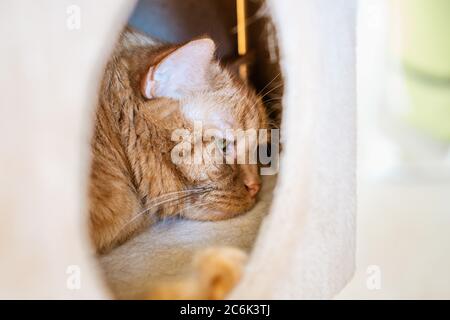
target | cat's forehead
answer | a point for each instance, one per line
(209, 110)
(224, 110)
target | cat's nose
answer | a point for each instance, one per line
(253, 188)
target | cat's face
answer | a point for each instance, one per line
(234, 184)
(218, 110)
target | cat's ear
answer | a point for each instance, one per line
(182, 71)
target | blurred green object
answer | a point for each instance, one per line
(424, 27)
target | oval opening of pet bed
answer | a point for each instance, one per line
(306, 245)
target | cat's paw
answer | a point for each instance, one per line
(216, 271)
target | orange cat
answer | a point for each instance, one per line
(149, 91)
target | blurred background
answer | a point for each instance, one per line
(403, 230)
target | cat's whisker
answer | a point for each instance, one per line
(187, 191)
(157, 204)
(186, 194)
(268, 92)
(271, 90)
(192, 192)
(273, 126)
(173, 199)
(195, 206)
(274, 99)
(153, 206)
(269, 83)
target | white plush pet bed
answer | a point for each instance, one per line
(165, 251)
(305, 245)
